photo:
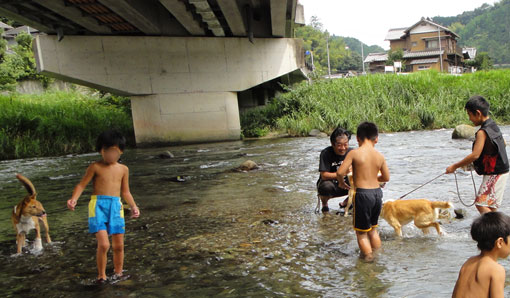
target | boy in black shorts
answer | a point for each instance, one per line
(366, 164)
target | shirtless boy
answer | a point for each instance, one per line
(366, 164)
(482, 276)
(106, 216)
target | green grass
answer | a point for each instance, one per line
(425, 100)
(57, 123)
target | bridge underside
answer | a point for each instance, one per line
(182, 62)
(182, 89)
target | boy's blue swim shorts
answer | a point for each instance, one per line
(106, 213)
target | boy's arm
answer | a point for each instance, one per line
(328, 175)
(481, 136)
(343, 170)
(89, 174)
(385, 172)
(126, 194)
(497, 283)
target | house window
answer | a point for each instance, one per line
(414, 44)
(432, 44)
(423, 67)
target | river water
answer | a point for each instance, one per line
(236, 234)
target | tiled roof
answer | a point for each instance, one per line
(424, 61)
(5, 26)
(395, 33)
(418, 54)
(18, 30)
(376, 57)
(426, 20)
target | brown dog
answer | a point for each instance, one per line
(352, 193)
(26, 216)
(423, 212)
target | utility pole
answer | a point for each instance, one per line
(440, 55)
(311, 55)
(362, 59)
(327, 49)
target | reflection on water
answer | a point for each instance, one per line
(225, 233)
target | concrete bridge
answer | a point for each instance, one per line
(182, 62)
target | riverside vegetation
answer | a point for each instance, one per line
(425, 100)
(56, 123)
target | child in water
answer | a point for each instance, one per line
(110, 180)
(482, 276)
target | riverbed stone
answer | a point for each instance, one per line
(322, 135)
(314, 132)
(463, 131)
(166, 155)
(248, 165)
(460, 213)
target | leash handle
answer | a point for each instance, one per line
(458, 192)
(420, 186)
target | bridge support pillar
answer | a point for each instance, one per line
(175, 118)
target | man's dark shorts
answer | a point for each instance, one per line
(330, 188)
(367, 207)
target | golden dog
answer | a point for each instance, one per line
(352, 193)
(26, 216)
(423, 212)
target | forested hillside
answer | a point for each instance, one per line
(486, 28)
(344, 52)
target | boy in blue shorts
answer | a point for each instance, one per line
(110, 180)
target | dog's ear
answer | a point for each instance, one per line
(18, 208)
(28, 198)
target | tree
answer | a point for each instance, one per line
(3, 45)
(344, 52)
(395, 56)
(20, 65)
(482, 61)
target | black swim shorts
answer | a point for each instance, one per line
(367, 207)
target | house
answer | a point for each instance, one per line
(10, 34)
(376, 62)
(425, 45)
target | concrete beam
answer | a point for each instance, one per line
(141, 65)
(203, 8)
(74, 14)
(278, 17)
(178, 9)
(291, 8)
(300, 15)
(233, 15)
(141, 15)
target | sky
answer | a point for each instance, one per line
(370, 20)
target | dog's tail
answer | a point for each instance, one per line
(27, 184)
(441, 205)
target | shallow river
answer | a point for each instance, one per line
(230, 234)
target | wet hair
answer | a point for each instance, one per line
(367, 130)
(477, 102)
(110, 138)
(338, 132)
(488, 227)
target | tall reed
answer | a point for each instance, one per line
(56, 123)
(425, 100)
